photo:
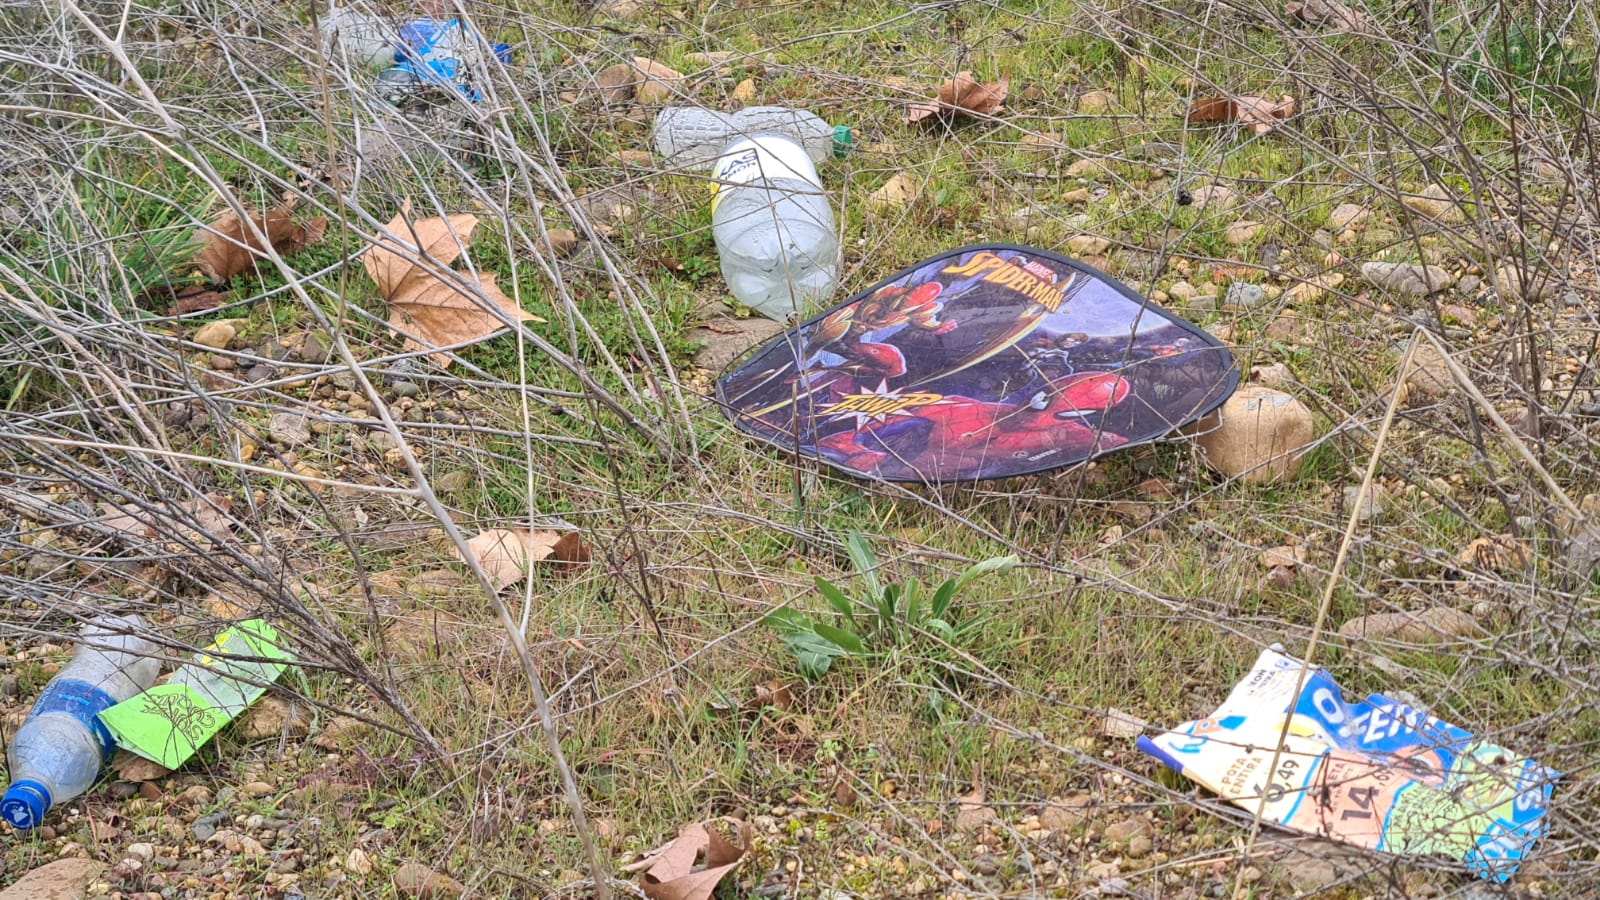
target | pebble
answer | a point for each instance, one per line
(215, 335)
(206, 826)
(258, 789)
(1371, 508)
(1245, 295)
(259, 373)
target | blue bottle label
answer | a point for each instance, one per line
(82, 701)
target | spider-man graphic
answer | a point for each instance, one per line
(959, 436)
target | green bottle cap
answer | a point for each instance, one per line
(843, 140)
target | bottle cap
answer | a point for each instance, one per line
(24, 804)
(843, 140)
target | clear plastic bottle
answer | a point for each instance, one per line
(688, 137)
(773, 226)
(362, 39)
(58, 752)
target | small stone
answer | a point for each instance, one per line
(1259, 435)
(1430, 376)
(313, 348)
(1244, 295)
(222, 363)
(1371, 509)
(64, 879)
(205, 827)
(1182, 291)
(1088, 244)
(1242, 232)
(1139, 846)
(1348, 216)
(1409, 279)
(1430, 626)
(1469, 284)
(289, 429)
(142, 852)
(1528, 283)
(1434, 202)
(1215, 197)
(271, 717)
(744, 92)
(216, 335)
(422, 883)
(1118, 724)
(1276, 375)
(657, 85)
(1086, 168)
(358, 862)
(1066, 814)
(562, 241)
(406, 388)
(259, 373)
(1096, 102)
(258, 789)
(640, 158)
(1124, 831)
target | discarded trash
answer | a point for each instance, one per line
(58, 752)
(169, 722)
(1379, 774)
(436, 52)
(689, 137)
(362, 39)
(773, 226)
(984, 362)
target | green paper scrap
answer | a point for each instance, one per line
(169, 722)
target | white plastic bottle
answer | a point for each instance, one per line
(773, 226)
(688, 137)
(58, 752)
(364, 40)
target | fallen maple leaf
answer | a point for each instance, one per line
(428, 306)
(962, 95)
(506, 553)
(1260, 114)
(228, 247)
(670, 874)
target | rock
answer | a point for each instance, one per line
(1139, 846)
(895, 193)
(639, 158)
(216, 335)
(1096, 102)
(711, 59)
(1409, 279)
(1244, 295)
(406, 388)
(271, 717)
(1258, 435)
(1434, 202)
(562, 240)
(744, 92)
(289, 429)
(1371, 505)
(313, 348)
(1431, 626)
(615, 83)
(142, 852)
(422, 883)
(1086, 168)
(1216, 198)
(726, 339)
(1088, 244)
(1276, 375)
(1182, 291)
(1530, 283)
(334, 734)
(1066, 814)
(1430, 376)
(657, 85)
(358, 862)
(1126, 830)
(1582, 552)
(1242, 232)
(1348, 216)
(257, 789)
(64, 879)
(1118, 724)
(1469, 284)
(1498, 554)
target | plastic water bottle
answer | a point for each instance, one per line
(58, 752)
(438, 52)
(773, 226)
(688, 137)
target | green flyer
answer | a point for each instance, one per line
(169, 722)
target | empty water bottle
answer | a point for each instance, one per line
(773, 226)
(362, 39)
(58, 752)
(688, 137)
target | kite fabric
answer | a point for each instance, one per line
(985, 362)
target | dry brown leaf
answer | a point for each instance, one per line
(1260, 114)
(775, 694)
(505, 553)
(1499, 553)
(196, 298)
(430, 307)
(962, 95)
(228, 247)
(671, 874)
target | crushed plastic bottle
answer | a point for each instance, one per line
(773, 226)
(688, 137)
(437, 52)
(61, 747)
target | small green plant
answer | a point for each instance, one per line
(886, 616)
